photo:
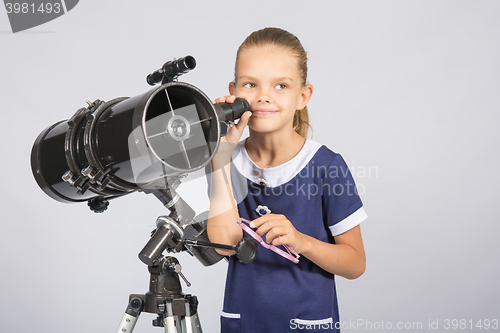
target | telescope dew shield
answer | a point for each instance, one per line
(117, 147)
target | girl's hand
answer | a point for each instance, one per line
(280, 231)
(229, 142)
(345, 258)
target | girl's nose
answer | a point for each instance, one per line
(264, 96)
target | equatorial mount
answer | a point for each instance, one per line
(176, 311)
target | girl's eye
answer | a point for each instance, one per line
(281, 86)
(249, 85)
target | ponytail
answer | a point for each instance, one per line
(301, 122)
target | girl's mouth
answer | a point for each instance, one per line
(263, 112)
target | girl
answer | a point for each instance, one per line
(295, 191)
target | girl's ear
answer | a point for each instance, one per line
(305, 96)
(232, 88)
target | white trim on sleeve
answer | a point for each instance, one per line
(349, 222)
(230, 315)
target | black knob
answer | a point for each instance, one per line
(98, 204)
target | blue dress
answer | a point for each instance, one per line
(316, 192)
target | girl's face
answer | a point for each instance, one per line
(268, 77)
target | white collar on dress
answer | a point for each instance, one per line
(274, 176)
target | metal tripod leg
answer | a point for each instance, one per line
(131, 315)
(191, 321)
(181, 315)
(182, 318)
(171, 322)
(176, 314)
(175, 318)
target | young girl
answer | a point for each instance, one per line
(295, 191)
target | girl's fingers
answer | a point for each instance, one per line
(235, 132)
(274, 233)
(220, 99)
(282, 240)
(224, 99)
(264, 228)
(277, 228)
(274, 225)
(243, 122)
(260, 220)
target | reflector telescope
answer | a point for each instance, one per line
(145, 143)
(112, 148)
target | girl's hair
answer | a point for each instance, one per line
(282, 38)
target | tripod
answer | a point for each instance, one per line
(177, 312)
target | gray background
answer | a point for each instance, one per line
(408, 90)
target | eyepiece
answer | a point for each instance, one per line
(232, 111)
(239, 107)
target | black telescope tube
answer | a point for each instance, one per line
(171, 70)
